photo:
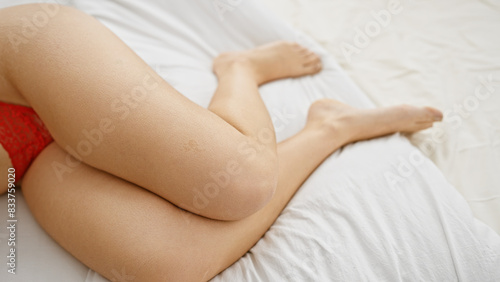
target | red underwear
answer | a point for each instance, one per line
(23, 135)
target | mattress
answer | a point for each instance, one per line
(377, 210)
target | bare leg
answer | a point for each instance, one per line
(237, 98)
(105, 106)
(112, 225)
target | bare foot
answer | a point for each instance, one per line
(270, 62)
(352, 124)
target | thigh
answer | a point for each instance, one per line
(105, 106)
(5, 164)
(113, 226)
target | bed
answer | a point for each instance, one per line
(378, 210)
(444, 54)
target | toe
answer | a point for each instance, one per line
(434, 114)
(424, 125)
(311, 57)
(309, 53)
(318, 66)
(313, 68)
(304, 51)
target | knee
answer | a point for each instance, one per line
(234, 196)
(254, 190)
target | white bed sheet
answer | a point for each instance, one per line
(430, 53)
(376, 210)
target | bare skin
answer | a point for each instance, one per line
(272, 61)
(112, 103)
(5, 164)
(359, 122)
(179, 246)
(99, 217)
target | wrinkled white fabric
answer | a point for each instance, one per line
(374, 211)
(439, 53)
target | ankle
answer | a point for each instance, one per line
(231, 61)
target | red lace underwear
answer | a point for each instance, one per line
(23, 135)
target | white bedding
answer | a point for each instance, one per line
(374, 211)
(430, 53)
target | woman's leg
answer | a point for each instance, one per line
(105, 106)
(237, 98)
(117, 228)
